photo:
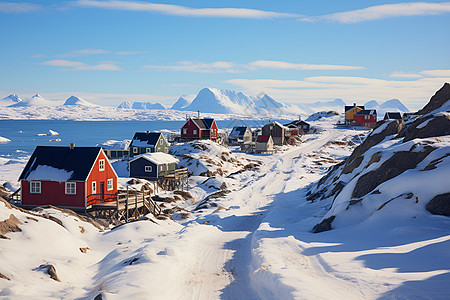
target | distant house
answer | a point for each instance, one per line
(152, 166)
(367, 118)
(264, 144)
(350, 112)
(277, 131)
(240, 134)
(409, 115)
(392, 116)
(257, 132)
(148, 142)
(304, 126)
(67, 177)
(116, 149)
(199, 129)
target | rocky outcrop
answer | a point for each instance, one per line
(393, 127)
(429, 126)
(325, 225)
(10, 225)
(440, 205)
(441, 96)
(397, 164)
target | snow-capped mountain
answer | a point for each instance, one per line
(393, 105)
(36, 100)
(74, 100)
(141, 105)
(182, 102)
(10, 100)
(224, 101)
(332, 105)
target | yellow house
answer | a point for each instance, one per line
(350, 111)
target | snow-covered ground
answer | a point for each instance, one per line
(248, 239)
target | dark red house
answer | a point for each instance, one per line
(199, 129)
(71, 177)
(366, 117)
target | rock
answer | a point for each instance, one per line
(98, 297)
(394, 166)
(393, 127)
(184, 194)
(325, 225)
(10, 225)
(84, 249)
(353, 165)
(438, 99)
(4, 277)
(375, 158)
(435, 126)
(440, 205)
(50, 270)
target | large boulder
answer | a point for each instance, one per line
(429, 126)
(440, 205)
(441, 96)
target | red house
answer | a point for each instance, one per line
(199, 129)
(70, 177)
(367, 118)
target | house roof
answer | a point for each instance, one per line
(393, 115)
(296, 123)
(367, 112)
(158, 158)
(145, 139)
(239, 130)
(208, 122)
(60, 163)
(263, 138)
(348, 107)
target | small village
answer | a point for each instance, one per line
(83, 178)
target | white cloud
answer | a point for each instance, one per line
(291, 66)
(23, 7)
(129, 52)
(414, 93)
(200, 67)
(88, 51)
(79, 66)
(385, 11)
(436, 73)
(400, 74)
(178, 10)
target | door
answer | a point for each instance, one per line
(102, 190)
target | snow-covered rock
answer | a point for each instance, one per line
(4, 140)
(182, 102)
(74, 100)
(10, 100)
(393, 105)
(322, 114)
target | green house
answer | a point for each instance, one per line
(148, 142)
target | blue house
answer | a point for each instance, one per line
(152, 166)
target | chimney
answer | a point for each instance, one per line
(72, 145)
(354, 104)
(198, 115)
(147, 132)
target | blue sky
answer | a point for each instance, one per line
(296, 51)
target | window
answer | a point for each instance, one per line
(148, 169)
(195, 131)
(184, 131)
(35, 187)
(94, 187)
(101, 165)
(110, 184)
(71, 188)
(135, 150)
(148, 150)
(161, 142)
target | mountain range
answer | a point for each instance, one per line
(220, 101)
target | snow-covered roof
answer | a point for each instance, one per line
(145, 139)
(158, 158)
(44, 172)
(115, 145)
(238, 130)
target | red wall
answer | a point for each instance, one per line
(54, 193)
(214, 130)
(102, 176)
(362, 119)
(190, 126)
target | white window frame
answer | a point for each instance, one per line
(35, 187)
(101, 165)
(71, 188)
(148, 169)
(135, 150)
(110, 184)
(94, 187)
(148, 150)
(184, 130)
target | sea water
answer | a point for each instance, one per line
(25, 135)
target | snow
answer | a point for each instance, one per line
(4, 140)
(74, 100)
(10, 100)
(158, 158)
(34, 101)
(43, 172)
(115, 145)
(254, 242)
(321, 114)
(141, 105)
